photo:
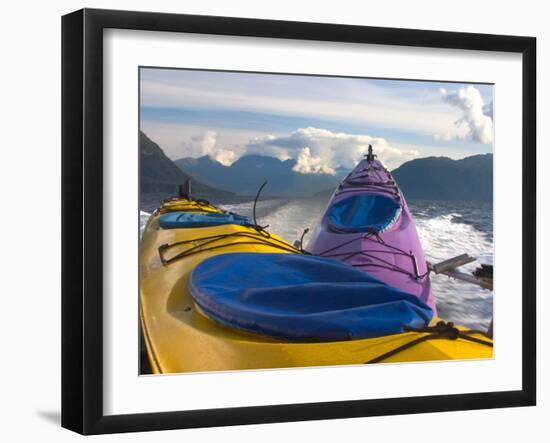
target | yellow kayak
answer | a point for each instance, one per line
(180, 337)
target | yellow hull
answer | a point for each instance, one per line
(179, 338)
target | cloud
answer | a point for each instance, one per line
(398, 105)
(180, 140)
(320, 150)
(205, 144)
(269, 145)
(475, 123)
(308, 164)
(207, 141)
(225, 156)
(488, 109)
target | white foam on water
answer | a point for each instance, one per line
(143, 219)
(239, 208)
(263, 207)
(461, 302)
(290, 220)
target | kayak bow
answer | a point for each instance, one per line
(368, 225)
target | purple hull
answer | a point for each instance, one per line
(391, 250)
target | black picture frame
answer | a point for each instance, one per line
(82, 218)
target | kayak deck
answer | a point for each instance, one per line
(179, 337)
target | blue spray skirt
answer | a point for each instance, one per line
(364, 212)
(175, 220)
(301, 298)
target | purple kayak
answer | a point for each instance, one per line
(368, 225)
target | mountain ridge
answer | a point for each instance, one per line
(442, 178)
(159, 174)
(247, 174)
(429, 178)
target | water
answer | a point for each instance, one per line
(143, 217)
(450, 229)
(446, 229)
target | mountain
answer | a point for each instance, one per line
(429, 178)
(204, 168)
(341, 172)
(158, 174)
(247, 174)
(441, 178)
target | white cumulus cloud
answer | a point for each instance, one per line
(206, 145)
(225, 156)
(322, 151)
(309, 164)
(475, 123)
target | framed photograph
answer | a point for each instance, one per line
(268, 221)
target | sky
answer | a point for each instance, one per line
(324, 123)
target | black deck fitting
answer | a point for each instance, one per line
(370, 156)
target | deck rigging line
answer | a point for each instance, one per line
(376, 260)
(261, 237)
(441, 330)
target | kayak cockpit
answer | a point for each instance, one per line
(363, 213)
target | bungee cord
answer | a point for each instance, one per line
(258, 239)
(377, 261)
(441, 330)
